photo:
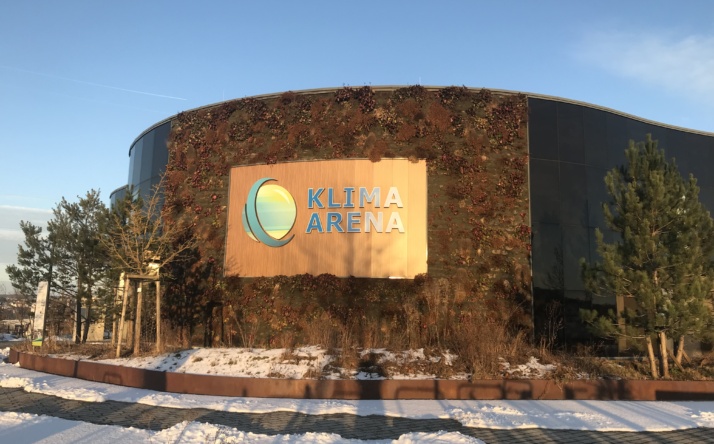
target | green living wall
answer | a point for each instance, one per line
(475, 144)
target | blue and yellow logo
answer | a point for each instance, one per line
(269, 213)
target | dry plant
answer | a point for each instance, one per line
(345, 355)
(320, 331)
(437, 298)
(413, 321)
(286, 340)
(481, 341)
(552, 329)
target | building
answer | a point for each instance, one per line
(524, 169)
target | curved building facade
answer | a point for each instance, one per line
(471, 141)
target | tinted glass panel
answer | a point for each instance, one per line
(573, 194)
(571, 144)
(702, 155)
(545, 191)
(638, 131)
(575, 247)
(574, 328)
(617, 139)
(542, 129)
(597, 195)
(595, 137)
(137, 154)
(547, 257)
(144, 190)
(161, 153)
(117, 195)
(147, 156)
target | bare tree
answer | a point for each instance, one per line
(141, 246)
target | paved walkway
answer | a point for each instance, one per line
(346, 425)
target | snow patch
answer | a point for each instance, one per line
(530, 370)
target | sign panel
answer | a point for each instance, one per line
(40, 312)
(342, 217)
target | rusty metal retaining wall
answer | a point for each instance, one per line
(374, 389)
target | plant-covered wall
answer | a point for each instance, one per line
(475, 145)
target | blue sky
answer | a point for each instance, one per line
(79, 80)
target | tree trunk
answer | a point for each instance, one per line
(664, 359)
(137, 321)
(158, 317)
(114, 319)
(86, 321)
(123, 315)
(78, 307)
(680, 351)
(679, 366)
(650, 353)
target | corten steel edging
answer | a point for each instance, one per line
(374, 389)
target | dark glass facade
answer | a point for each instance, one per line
(572, 146)
(118, 194)
(148, 157)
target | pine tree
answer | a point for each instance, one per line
(80, 224)
(662, 259)
(33, 260)
(70, 255)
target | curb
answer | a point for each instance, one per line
(511, 389)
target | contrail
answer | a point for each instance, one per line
(93, 84)
(104, 102)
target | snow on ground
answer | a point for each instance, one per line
(23, 427)
(531, 369)
(299, 363)
(574, 415)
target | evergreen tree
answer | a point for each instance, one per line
(70, 255)
(662, 259)
(33, 260)
(79, 226)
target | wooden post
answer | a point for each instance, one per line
(137, 321)
(650, 354)
(123, 315)
(664, 359)
(158, 316)
(115, 321)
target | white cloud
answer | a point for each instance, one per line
(681, 65)
(18, 208)
(10, 216)
(13, 235)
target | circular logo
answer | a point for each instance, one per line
(269, 213)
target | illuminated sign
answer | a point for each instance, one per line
(269, 213)
(342, 217)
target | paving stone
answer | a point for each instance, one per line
(348, 426)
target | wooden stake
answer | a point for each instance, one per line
(123, 315)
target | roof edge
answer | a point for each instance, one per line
(383, 88)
